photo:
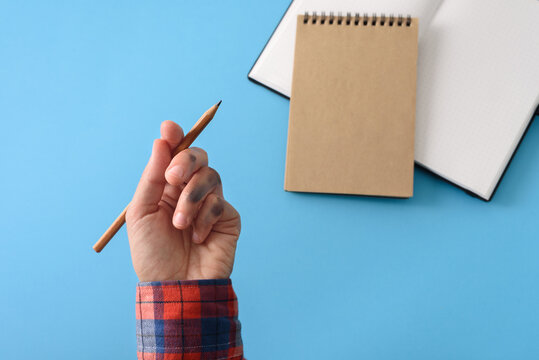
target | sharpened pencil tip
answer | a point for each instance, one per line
(219, 103)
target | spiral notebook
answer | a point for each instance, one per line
(352, 108)
(478, 79)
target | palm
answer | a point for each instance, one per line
(163, 252)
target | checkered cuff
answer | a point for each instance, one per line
(191, 319)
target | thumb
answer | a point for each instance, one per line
(152, 182)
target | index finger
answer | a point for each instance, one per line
(172, 133)
(185, 164)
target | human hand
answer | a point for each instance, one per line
(178, 223)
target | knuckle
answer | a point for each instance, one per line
(216, 205)
(215, 199)
(192, 157)
(196, 194)
(213, 177)
(186, 194)
(201, 152)
(186, 156)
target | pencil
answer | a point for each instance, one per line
(184, 144)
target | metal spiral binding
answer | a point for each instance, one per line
(357, 19)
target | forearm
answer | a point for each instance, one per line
(190, 319)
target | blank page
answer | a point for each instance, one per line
(478, 86)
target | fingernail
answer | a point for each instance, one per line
(176, 171)
(196, 238)
(180, 219)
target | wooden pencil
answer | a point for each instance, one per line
(184, 144)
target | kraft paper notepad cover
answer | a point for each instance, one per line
(352, 108)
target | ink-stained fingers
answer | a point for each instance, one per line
(172, 133)
(216, 215)
(203, 183)
(210, 213)
(152, 182)
(185, 164)
(179, 172)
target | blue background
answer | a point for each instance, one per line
(83, 89)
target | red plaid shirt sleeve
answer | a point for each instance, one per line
(188, 320)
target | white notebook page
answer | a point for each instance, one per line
(478, 86)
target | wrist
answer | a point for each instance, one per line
(156, 275)
(157, 278)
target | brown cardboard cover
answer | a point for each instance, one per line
(352, 109)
